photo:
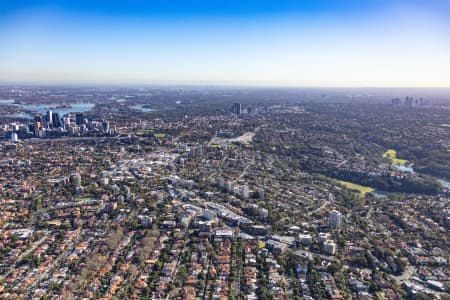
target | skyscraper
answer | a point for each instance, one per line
(49, 118)
(37, 124)
(66, 121)
(14, 137)
(237, 108)
(56, 120)
(79, 119)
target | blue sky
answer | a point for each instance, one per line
(295, 43)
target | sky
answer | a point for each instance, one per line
(352, 43)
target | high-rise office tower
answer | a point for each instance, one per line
(37, 124)
(237, 108)
(66, 121)
(79, 119)
(56, 120)
(14, 137)
(49, 118)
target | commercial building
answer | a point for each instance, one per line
(14, 137)
(79, 119)
(237, 108)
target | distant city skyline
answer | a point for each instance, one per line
(332, 43)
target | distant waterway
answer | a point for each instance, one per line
(142, 108)
(378, 194)
(445, 183)
(43, 108)
(410, 169)
(404, 168)
(17, 115)
(6, 101)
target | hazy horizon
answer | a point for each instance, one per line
(398, 44)
(202, 84)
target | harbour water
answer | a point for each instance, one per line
(445, 183)
(6, 101)
(30, 109)
(142, 108)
